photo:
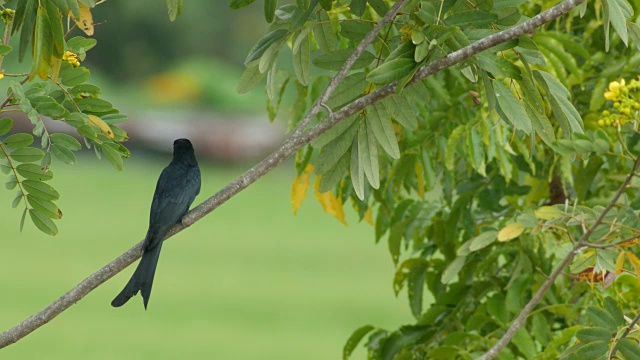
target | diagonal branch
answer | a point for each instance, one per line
(292, 144)
(581, 244)
(322, 100)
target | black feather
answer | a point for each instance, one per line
(177, 187)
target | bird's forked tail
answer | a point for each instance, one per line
(142, 278)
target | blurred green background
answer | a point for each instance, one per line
(250, 281)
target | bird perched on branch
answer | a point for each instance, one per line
(177, 187)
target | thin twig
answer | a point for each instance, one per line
(624, 335)
(582, 243)
(368, 39)
(297, 140)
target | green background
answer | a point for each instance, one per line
(249, 281)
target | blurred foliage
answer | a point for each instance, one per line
(56, 87)
(482, 176)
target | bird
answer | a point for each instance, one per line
(177, 187)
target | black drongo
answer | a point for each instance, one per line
(177, 186)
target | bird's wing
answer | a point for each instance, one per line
(176, 189)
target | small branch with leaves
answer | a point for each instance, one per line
(299, 138)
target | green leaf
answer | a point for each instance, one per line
(301, 60)
(453, 269)
(566, 114)
(237, 4)
(357, 171)
(74, 7)
(250, 78)
(42, 46)
(62, 5)
(323, 31)
(592, 334)
(174, 8)
(405, 115)
(353, 86)
(63, 154)
(17, 199)
(113, 119)
(333, 176)
(28, 25)
(368, 155)
(43, 223)
(5, 50)
(354, 340)
(94, 105)
(395, 240)
(11, 182)
(601, 318)
(450, 149)
(629, 349)
(593, 350)
(40, 190)
(44, 207)
(379, 122)
(27, 154)
(379, 6)
(334, 60)
(511, 109)
(270, 9)
(114, 157)
(483, 240)
(88, 3)
(402, 272)
(354, 30)
(541, 124)
(334, 132)
(331, 153)
(264, 43)
(415, 289)
(57, 30)
(52, 110)
(471, 18)
(523, 341)
(65, 140)
(70, 76)
(81, 44)
(619, 10)
(612, 308)
(5, 125)
(34, 172)
(634, 32)
(326, 4)
(391, 70)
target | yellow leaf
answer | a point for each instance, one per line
(299, 188)
(547, 212)
(86, 20)
(104, 127)
(330, 204)
(630, 243)
(368, 216)
(420, 178)
(635, 262)
(620, 263)
(510, 232)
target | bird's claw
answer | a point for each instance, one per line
(327, 108)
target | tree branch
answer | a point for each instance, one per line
(581, 244)
(320, 103)
(624, 335)
(297, 140)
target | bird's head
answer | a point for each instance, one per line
(182, 146)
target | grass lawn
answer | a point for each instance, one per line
(250, 281)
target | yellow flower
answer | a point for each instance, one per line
(610, 95)
(72, 58)
(614, 86)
